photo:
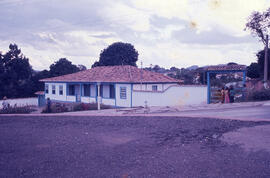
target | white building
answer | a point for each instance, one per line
(122, 86)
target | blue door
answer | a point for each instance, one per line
(41, 100)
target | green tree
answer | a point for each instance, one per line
(37, 75)
(253, 70)
(62, 67)
(81, 67)
(259, 25)
(16, 74)
(118, 54)
(260, 60)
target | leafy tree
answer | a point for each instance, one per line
(118, 54)
(260, 60)
(174, 69)
(18, 79)
(253, 70)
(39, 86)
(259, 25)
(62, 67)
(16, 73)
(81, 67)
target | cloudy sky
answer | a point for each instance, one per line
(169, 33)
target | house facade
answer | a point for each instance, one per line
(119, 86)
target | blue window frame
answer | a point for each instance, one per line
(53, 89)
(47, 88)
(123, 92)
(154, 87)
(60, 89)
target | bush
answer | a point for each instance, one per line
(89, 106)
(260, 95)
(56, 108)
(17, 110)
(69, 107)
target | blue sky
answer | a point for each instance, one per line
(169, 33)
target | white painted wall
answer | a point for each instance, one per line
(71, 98)
(123, 102)
(106, 101)
(87, 99)
(21, 102)
(173, 96)
(167, 85)
(167, 95)
(56, 96)
(148, 87)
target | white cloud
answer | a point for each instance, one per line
(121, 14)
(208, 31)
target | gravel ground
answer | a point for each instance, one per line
(125, 147)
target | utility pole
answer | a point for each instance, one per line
(141, 73)
(266, 60)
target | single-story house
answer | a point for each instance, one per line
(122, 86)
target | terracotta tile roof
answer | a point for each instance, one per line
(226, 67)
(124, 73)
(40, 93)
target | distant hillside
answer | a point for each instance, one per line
(194, 67)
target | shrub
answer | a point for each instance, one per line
(261, 95)
(89, 106)
(56, 108)
(17, 110)
(69, 107)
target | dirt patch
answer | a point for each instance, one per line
(113, 139)
(251, 138)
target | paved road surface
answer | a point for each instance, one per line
(253, 113)
(130, 147)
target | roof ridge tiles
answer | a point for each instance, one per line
(124, 73)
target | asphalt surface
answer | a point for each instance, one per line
(251, 113)
(63, 146)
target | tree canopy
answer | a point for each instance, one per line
(253, 70)
(15, 73)
(256, 69)
(18, 79)
(118, 53)
(259, 24)
(260, 60)
(63, 67)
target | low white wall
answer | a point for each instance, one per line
(71, 98)
(106, 101)
(87, 99)
(21, 102)
(173, 96)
